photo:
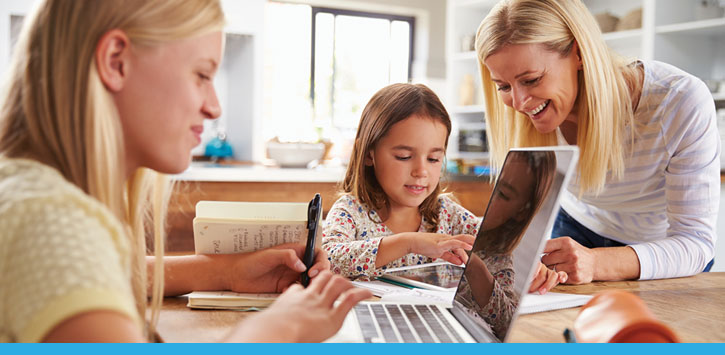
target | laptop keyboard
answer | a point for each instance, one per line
(405, 323)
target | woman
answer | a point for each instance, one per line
(102, 97)
(645, 200)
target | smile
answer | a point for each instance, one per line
(416, 189)
(538, 108)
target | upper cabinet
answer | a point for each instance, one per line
(689, 34)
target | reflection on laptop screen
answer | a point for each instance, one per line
(505, 253)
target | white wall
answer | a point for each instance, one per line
(9, 8)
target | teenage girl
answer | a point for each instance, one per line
(101, 98)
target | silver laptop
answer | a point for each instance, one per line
(519, 218)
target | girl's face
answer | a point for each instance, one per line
(537, 82)
(168, 95)
(514, 190)
(408, 160)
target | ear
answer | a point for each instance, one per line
(369, 161)
(578, 55)
(112, 56)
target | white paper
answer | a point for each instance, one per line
(535, 303)
(379, 288)
(420, 296)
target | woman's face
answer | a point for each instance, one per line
(168, 95)
(537, 82)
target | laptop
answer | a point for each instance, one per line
(520, 215)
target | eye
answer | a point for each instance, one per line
(503, 196)
(203, 76)
(504, 88)
(532, 81)
(434, 160)
(402, 158)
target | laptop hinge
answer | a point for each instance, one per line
(480, 334)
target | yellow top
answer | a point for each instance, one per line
(62, 253)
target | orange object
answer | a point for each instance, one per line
(616, 316)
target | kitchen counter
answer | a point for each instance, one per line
(259, 173)
(201, 171)
(240, 182)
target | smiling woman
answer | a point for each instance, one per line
(103, 98)
(647, 190)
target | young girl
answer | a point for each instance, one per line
(392, 212)
(101, 94)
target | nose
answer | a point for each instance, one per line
(211, 108)
(419, 169)
(520, 98)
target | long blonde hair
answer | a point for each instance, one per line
(604, 102)
(56, 110)
(387, 107)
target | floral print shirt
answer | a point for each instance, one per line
(502, 304)
(352, 234)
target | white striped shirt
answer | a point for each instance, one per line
(665, 207)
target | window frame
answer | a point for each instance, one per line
(335, 12)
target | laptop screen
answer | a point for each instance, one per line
(519, 217)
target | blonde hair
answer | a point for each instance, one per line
(604, 102)
(390, 105)
(56, 110)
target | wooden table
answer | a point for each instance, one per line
(694, 307)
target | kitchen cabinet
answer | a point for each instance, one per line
(473, 194)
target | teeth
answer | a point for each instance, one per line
(538, 109)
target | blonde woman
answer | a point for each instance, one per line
(102, 98)
(646, 197)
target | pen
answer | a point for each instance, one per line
(314, 212)
(569, 336)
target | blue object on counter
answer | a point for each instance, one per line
(452, 167)
(482, 170)
(218, 147)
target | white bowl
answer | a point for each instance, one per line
(295, 154)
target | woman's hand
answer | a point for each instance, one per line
(545, 279)
(449, 248)
(304, 314)
(271, 270)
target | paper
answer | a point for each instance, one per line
(378, 288)
(535, 303)
(223, 227)
(420, 296)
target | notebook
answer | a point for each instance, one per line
(519, 218)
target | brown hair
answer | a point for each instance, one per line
(503, 239)
(387, 107)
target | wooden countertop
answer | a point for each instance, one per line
(691, 306)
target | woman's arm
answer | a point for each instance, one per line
(96, 327)
(584, 265)
(269, 270)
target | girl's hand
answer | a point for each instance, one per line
(545, 279)
(449, 248)
(271, 270)
(304, 314)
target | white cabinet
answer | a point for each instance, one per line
(684, 33)
(467, 139)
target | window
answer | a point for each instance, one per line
(322, 65)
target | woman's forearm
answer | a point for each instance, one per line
(183, 274)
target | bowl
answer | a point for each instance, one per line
(295, 154)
